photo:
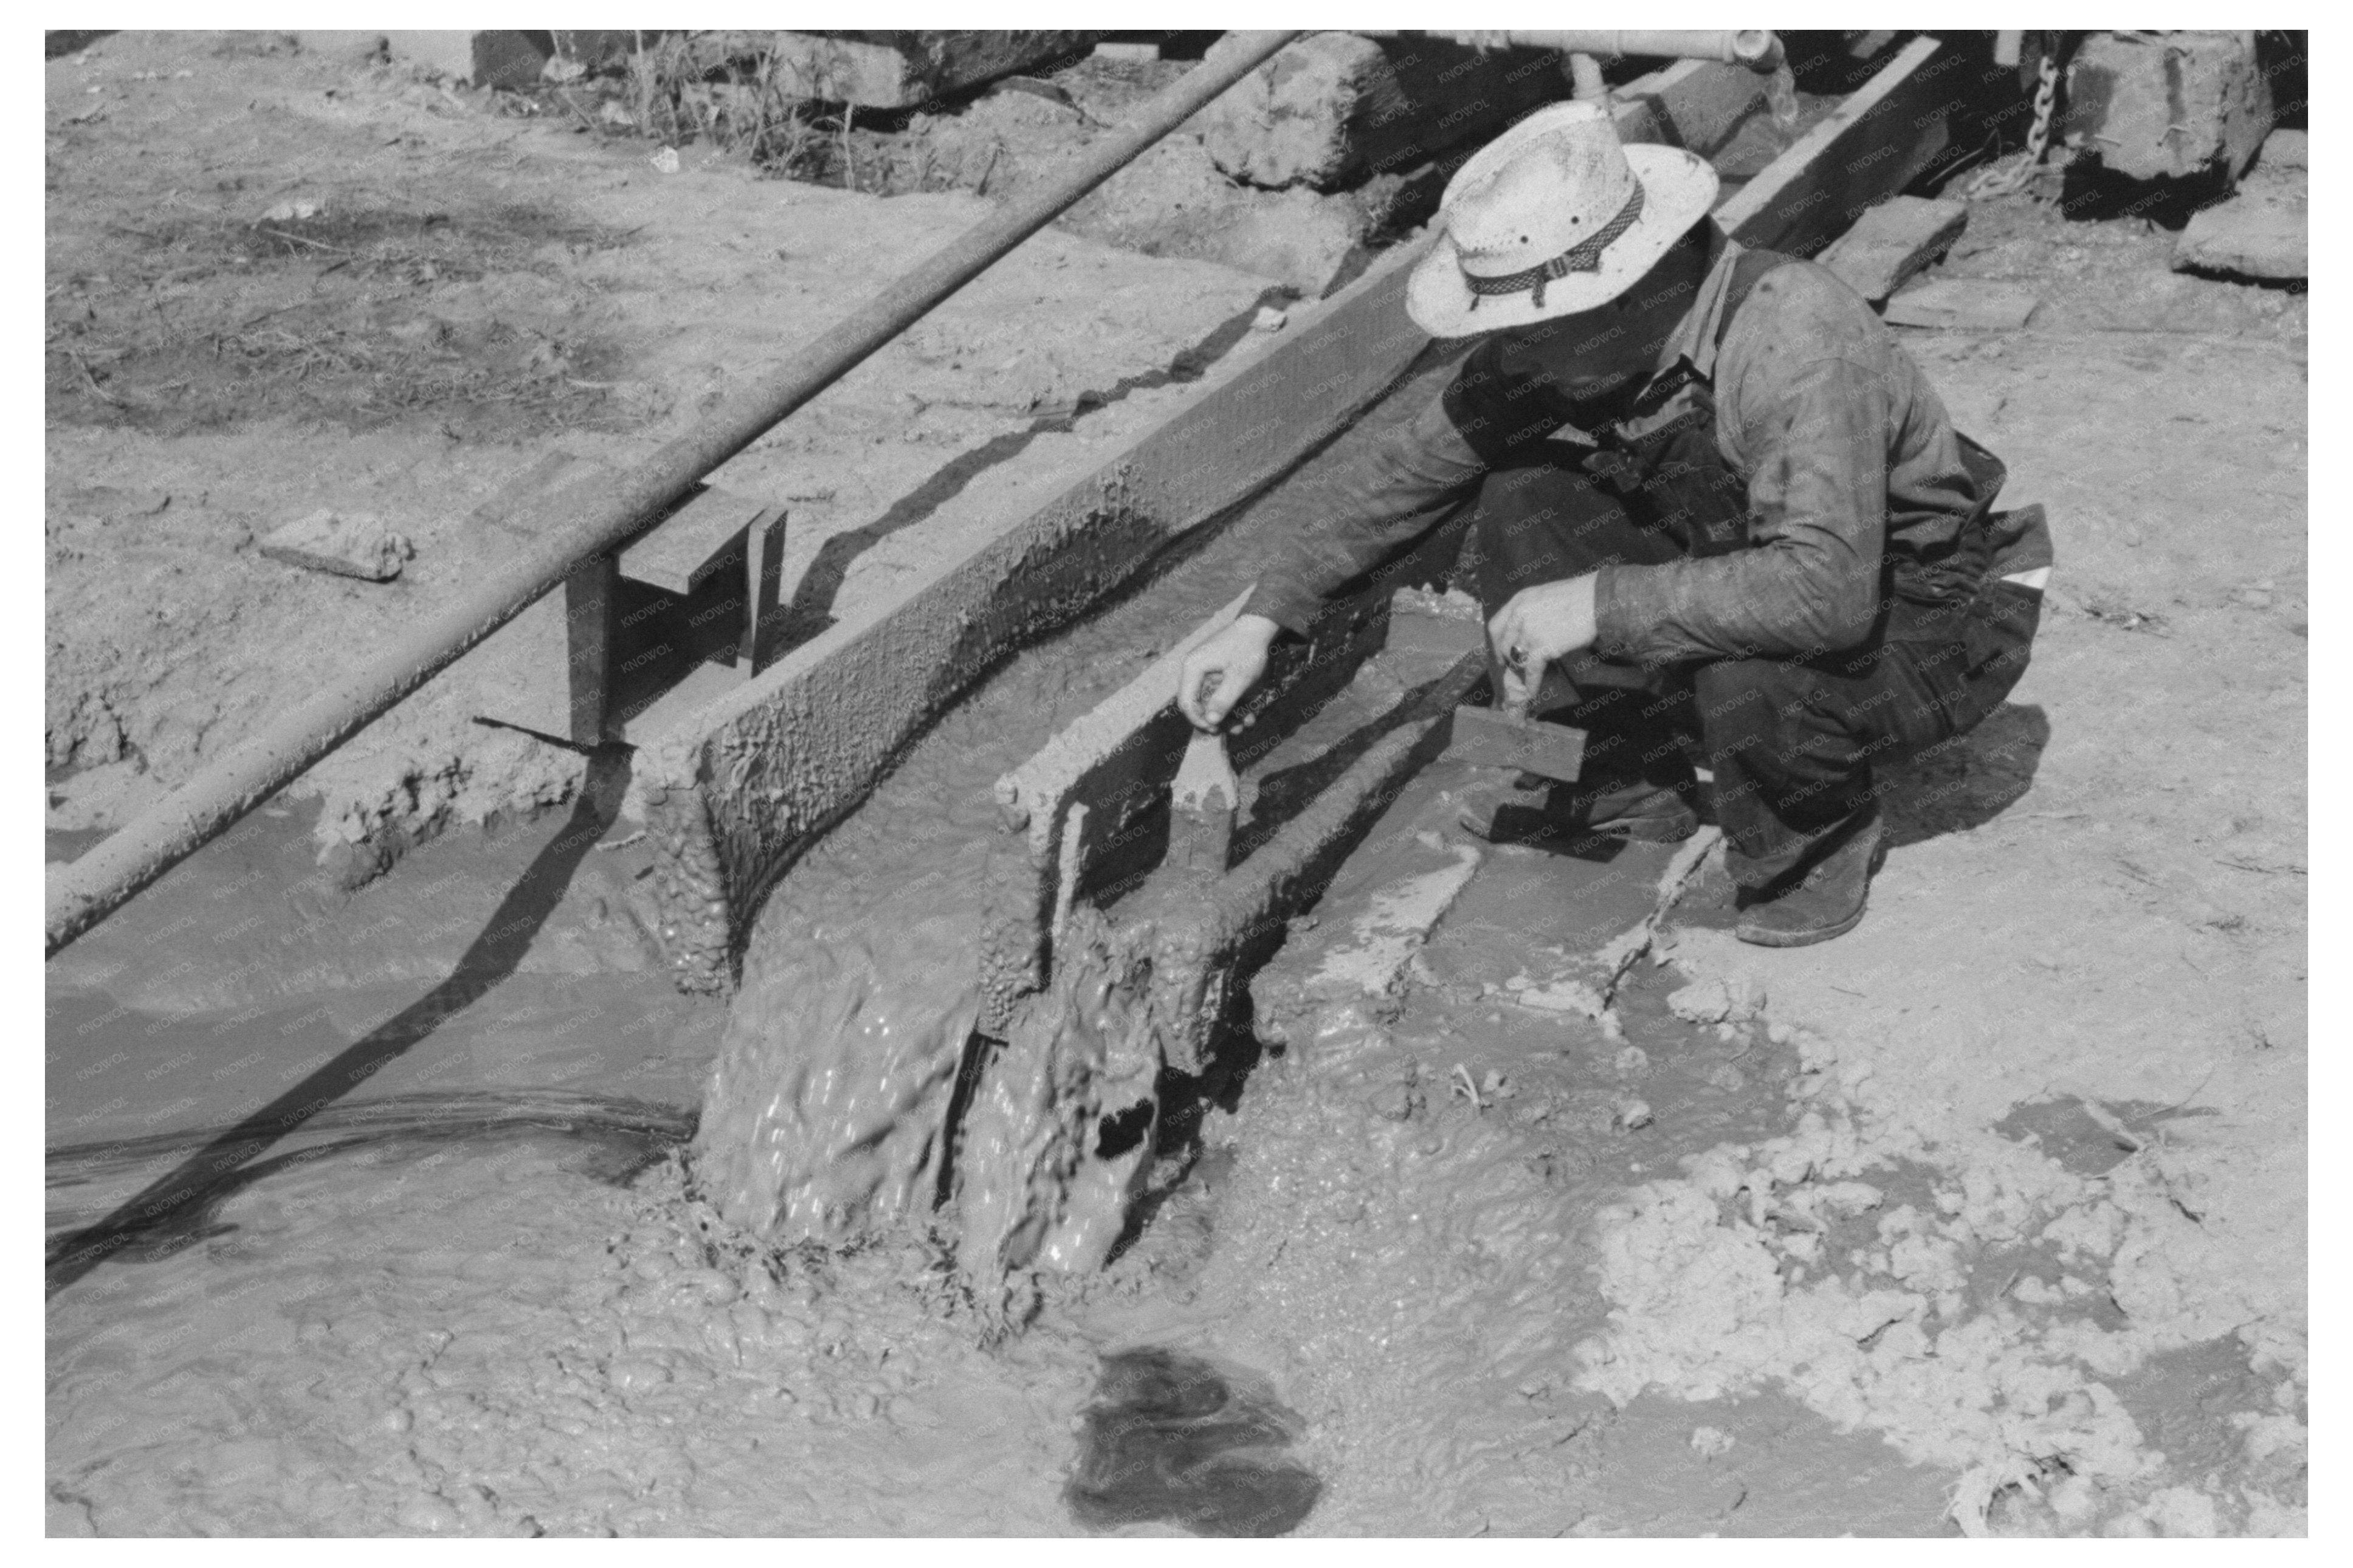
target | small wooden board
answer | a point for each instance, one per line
(1487, 737)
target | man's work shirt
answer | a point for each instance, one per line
(1846, 452)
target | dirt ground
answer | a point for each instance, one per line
(1990, 1215)
(468, 293)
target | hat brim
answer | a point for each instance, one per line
(1678, 190)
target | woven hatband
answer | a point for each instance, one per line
(1585, 255)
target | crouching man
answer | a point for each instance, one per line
(1721, 520)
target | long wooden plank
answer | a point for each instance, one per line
(1865, 151)
(744, 782)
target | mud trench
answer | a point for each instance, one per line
(1494, 1226)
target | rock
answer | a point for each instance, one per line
(504, 58)
(1130, 54)
(1968, 304)
(350, 545)
(2259, 232)
(1702, 1002)
(1632, 1116)
(1748, 998)
(1709, 1442)
(1303, 241)
(1333, 105)
(889, 69)
(1893, 241)
(1037, 88)
(2283, 150)
(2168, 105)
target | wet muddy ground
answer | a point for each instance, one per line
(1989, 1216)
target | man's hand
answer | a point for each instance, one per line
(1549, 621)
(1221, 672)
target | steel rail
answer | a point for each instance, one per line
(86, 891)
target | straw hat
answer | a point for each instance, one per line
(1553, 217)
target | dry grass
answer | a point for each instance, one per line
(668, 90)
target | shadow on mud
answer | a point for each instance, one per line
(1172, 1437)
(615, 1140)
(170, 1211)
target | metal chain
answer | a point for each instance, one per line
(1999, 179)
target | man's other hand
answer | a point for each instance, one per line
(1549, 621)
(1221, 672)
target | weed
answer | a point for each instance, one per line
(676, 89)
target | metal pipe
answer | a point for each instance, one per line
(1758, 48)
(89, 890)
(1585, 79)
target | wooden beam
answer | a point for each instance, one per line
(1869, 148)
(588, 611)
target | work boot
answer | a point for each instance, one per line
(1507, 810)
(1825, 901)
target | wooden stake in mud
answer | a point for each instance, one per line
(87, 890)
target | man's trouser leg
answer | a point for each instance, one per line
(1793, 743)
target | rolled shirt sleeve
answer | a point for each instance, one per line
(1817, 455)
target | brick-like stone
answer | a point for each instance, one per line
(2259, 232)
(349, 544)
(1893, 242)
(1334, 105)
(2285, 149)
(2168, 105)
